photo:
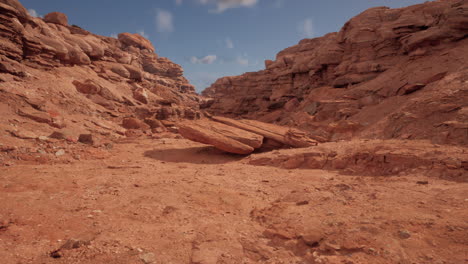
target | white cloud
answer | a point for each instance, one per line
(209, 59)
(114, 35)
(306, 28)
(223, 5)
(242, 61)
(143, 34)
(178, 2)
(164, 21)
(33, 13)
(229, 43)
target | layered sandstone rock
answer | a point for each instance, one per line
(53, 75)
(389, 73)
(243, 136)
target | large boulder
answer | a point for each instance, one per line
(243, 136)
(87, 87)
(56, 18)
(135, 40)
(201, 132)
(287, 136)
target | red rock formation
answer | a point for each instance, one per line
(53, 75)
(243, 136)
(57, 18)
(389, 73)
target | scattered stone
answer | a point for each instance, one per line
(302, 203)
(332, 247)
(24, 134)
(63, 135)
(422, 182)
(133, 123)
(35, 115)
(87, 87)
(4, 225)
(404, 234)
(134, 133)
(58, 135)
(74, 244)
(141, 95)
(55, 254)
(148, 258)
(313, 239)
(60, 153)
(86, 139)
(158, 130)
(154, 123)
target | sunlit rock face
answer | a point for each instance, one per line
(90, 82)
(388, 73)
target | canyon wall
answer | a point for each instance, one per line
(61, 80)
(389, 73)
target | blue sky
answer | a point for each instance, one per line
(213, 38)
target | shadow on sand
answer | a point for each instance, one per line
(197, 155)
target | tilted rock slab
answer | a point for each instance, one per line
(287, 136)
(241, 136)
(223, 137)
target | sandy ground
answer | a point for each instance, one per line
(174, 201)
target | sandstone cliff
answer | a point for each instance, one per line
(389, 73)
(61, 80)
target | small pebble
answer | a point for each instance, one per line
(404, 234)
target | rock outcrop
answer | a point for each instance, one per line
(56, 76)
(389, 73)
(243, 136)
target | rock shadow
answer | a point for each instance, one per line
(196, 155)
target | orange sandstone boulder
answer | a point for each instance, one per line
(284, 135)
(135, 40)
(235, 136)
(200, 132)
(56, 18)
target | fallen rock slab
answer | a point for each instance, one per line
(243, 136)
(198, 133)
(288, 136)
(251, 139)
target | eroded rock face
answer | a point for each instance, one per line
(54, 75)
(373, 79)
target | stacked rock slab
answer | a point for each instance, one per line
(242, 136)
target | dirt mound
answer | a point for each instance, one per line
(389, 73)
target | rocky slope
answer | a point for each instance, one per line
(60, 81)
(389, 73)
